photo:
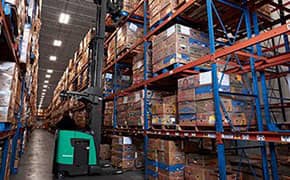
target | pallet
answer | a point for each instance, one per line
(136, 126)
(155, 25)
(165, 127)
(5, 126)
(167, 69)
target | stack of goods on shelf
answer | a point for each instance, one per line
(105, 151)
(196, 101)
(122, 111)
(164, 112)
(123, 152)
(130, 5)
(152, 158)
(108, 113)
(204, 167)
(138, 67)
(171, 160)
(186, 100)
(123, 81)
(136, 106)
(176, 46)
(9, 92)
(74, 78)
(127, 36)
(165, 159)
(161, 9)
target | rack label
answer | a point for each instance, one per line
(260, 138)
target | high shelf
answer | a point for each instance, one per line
(245, 41)
(19, 65)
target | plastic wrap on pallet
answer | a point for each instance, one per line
(24, 53)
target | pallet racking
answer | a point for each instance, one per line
(246, 47)
(14, 136)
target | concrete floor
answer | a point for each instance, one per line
(37, 161)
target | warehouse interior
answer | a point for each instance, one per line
(144, 89)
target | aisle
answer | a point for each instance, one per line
(36, 163)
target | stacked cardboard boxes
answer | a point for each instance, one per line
(136, 106)
(138, 67)
(108, 113)
(196, 103)
(152, 158)
(186, 100)
(9, 91)
(122, 111)
(164, 112)
(166, 159)
(105, 152)
(123, 152)
(178, 44)
(127, 36)
(159, 9)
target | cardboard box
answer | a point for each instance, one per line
(120, 147)
(186, 95)
(166, 175)
(171, 157)
(187, 107)
(164, 119)
(169, 145)
(105, 151)
(124, 154)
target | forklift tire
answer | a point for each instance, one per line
(60, 175)
(118, 172)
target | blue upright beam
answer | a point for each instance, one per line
(274, 165)
(115, 84)
(146, 123)
(256, 93)
(4, 159)
(19, 126)
(218, 115)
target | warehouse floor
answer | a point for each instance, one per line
(36, 163)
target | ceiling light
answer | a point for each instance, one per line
(47, 76)
(43, 94)
(49, 71)
(45, 86)
(57, 43)
(46, 81)
(63, 18)
(43, 90)
(52, 58)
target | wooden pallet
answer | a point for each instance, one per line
(165, 127)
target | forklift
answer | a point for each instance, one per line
(76, 152)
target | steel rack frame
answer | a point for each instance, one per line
(249, 49)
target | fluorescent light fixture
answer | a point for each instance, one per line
(45, 86)
(43, 90)
(63, 18)
(57, 43)
(49, 71)
(43, 94)
(47, 76)
(52, 58)
(46, 81)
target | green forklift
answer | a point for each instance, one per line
(77, 152)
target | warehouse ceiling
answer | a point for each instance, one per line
(82, 18)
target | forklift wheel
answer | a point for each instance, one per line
(60, 175)
(117, 172)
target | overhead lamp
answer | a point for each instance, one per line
(43, 90)
(49, 71)
(63, 18)
(46, 81)
(57, 43)
(52, 58)
(47, 76)
(45, 86)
